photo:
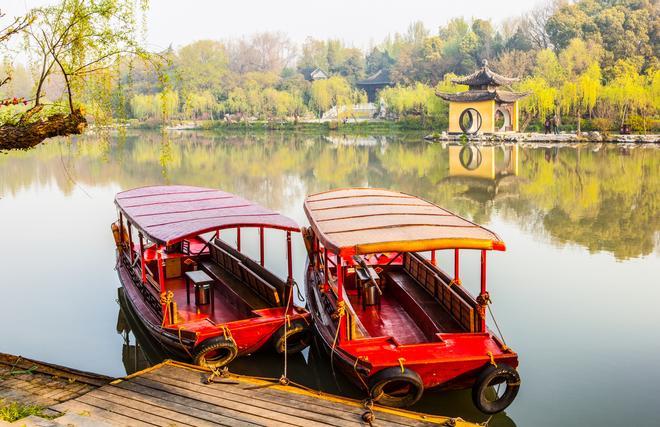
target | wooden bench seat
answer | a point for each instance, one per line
(244, 275)
(434, 317)
(234, 285)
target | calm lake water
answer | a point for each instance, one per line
(576, 293)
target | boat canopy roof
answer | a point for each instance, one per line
(171, 213)
(365, 221)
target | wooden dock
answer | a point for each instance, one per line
(174, 393)
(31, 382)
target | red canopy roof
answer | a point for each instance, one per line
(168, 214)
(367, 220)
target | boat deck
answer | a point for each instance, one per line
(391, 320)
(174, 393)
(222, 312)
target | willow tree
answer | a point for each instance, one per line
(581, 92)
(74, 41)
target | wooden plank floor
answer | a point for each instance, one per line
(37, 383)
(173, 393)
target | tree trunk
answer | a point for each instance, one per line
(24, 136)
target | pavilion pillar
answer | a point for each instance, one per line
(261, 246)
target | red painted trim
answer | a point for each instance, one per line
(456, 265)
(433, 259)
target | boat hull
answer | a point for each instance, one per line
(181, 340)
(438, 365)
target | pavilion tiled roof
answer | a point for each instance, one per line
(485, 77)
(482, 95)
(380, 77)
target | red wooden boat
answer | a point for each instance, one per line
(169, 246)
(395, 322)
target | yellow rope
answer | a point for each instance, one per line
(166, 299)
(492, 359)
(401, 360)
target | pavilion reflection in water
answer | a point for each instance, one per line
(488, 172)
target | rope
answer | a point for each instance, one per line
(181, 342)
(166, 298)
(341, 312)
(497, 327)
(485, 423)
(492, 358)
(401, 360)
(368, 417)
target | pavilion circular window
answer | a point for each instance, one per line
(470, 121)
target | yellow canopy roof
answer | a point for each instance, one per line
(366, 220)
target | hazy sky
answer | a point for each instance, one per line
(358, 22)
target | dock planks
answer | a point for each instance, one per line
(32, 382)
(173, 393)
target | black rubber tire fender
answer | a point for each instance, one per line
(490, 375)
(408, 383)
(298, 337)
(215, 352)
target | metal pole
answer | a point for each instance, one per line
(238, 239)
(433, 260)
(121, 235)
(261, 246)
(456, 266)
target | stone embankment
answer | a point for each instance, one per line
(561, 138)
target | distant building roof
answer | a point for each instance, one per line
(485, 77)
(380, 77)
(482, 95)
(312, 74)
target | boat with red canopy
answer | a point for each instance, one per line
(169, 247)
(393, 320)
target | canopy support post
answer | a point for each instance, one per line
(289, 259)
(161, 281)
(130, 243)
(238, 239)
(433, 260)
(326, 283)
(121, 234)
(340, 300)
(142, 266)
(261, 246)
(457, 278)
(483, 299)
(289, 267)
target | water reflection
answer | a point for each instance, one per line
(604, 199)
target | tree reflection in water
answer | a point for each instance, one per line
(601, 197)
